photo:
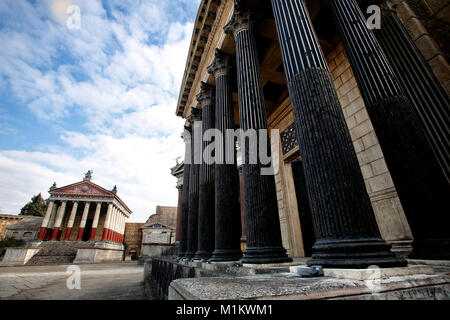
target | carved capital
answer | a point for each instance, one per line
(221, 65)
(186, 135)
(206, 95)
(196, 115)
(240, 20)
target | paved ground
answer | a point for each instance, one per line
(112, 281)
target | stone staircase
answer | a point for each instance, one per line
(58, 252)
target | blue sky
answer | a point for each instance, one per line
(101, 97)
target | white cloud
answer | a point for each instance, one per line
(122, 75)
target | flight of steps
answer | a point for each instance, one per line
(58, 252)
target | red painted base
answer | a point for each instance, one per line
(80, 234)
(68, 232)
(42, 233)
(55, 233)
(105, 234)
(92, 235)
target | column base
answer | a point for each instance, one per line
(432, 249)
(260, 255)
(354, 254)
(189, 255)
(202, 255)
(223, 255)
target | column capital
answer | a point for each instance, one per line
(221, 64)
(196, 115)
(240, 20)
(206, 95)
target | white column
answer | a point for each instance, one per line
(85, 215)
(114, 224)
(97, 215)
(107, 220)
(48, 214)
(73, 214)
(53, 216)
(60, 214)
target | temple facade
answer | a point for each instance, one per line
(84, 211)
(357, 118)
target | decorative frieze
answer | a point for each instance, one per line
(289, 139)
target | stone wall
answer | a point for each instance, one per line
(7, 220)
(428, 23)
(133, 238)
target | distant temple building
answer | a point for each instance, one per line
(83, 221)
(84, 211)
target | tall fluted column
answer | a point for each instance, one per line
(196, 148)
(46, 220)
(416, 173)
(95, 221)
(227, 220)
(187, 137)
(262, 221)
(83, 221)
(73, 214)
(179, 206)
(346, 231)
(58, 221)
(107, 222)
(205, 245)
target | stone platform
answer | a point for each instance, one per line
(102, 251)
(221, 281)
(63, 252)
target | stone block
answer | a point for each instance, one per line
(379, 167)
(404, 12)
(354, 106)
(366, 171)
(376, 273)
(361, 116)
(416, 28)
(18, 256)
(370, 139)
(361, 130)
(359, 145)
(436, 5)
(380, 182)
(428, 47)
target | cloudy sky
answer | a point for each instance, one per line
(100, 97)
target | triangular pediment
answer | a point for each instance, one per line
(83, 188)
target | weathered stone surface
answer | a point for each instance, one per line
(286, 286)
